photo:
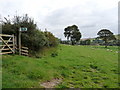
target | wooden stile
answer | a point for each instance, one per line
(24, 51)
(24, 47)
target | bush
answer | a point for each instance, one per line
(35, 41)
(33, 38)
(52, 40)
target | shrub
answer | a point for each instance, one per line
(33, 38)
(52, 40)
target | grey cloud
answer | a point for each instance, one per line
(10, 7)
(89, 22)
(89, 18)
(88, 26)
(119, 17)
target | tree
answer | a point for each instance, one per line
(72, 33)
(106, 35)
(67, 32)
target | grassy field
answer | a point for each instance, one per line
(77, 66)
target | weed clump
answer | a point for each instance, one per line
(35, 75)
(54, 54)
(85, 77)
(38, 56)
(93, 66)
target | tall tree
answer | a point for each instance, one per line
(106, 35)
(72, 33)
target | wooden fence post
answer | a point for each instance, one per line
(19, 42)
(13, 43)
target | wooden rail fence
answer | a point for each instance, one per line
(24, 51)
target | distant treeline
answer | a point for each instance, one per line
(33, 38)
(94, 41)
(105, 37)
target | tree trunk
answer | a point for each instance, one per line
(67, 39)
(106, 43)
(105, 46)
(73, 43)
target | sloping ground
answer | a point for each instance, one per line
(77, 66)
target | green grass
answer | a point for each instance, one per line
(78, 66)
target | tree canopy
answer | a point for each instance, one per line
(72, 33)
(106, 35)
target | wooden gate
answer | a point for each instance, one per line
(7, 44)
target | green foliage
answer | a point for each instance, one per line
(52, 40)
(35, 41)
(85, 42)
(72, 33)
(89, 69)
(33, 38)
(106, 35)
(12, 26)
(8, 29)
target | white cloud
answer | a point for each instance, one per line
(55, 15)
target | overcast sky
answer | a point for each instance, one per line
(55, 15)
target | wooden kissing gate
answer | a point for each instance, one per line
(8, 45)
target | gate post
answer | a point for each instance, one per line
(19, 42)
(13, 44)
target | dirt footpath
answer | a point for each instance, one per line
(52, 83)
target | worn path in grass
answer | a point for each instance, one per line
(52, 83)
(77, 66)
